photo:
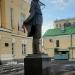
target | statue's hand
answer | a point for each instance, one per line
(26, 26)
(25, 23)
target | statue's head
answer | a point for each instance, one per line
(36, 0)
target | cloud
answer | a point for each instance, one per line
(61, 4)
(46, 26)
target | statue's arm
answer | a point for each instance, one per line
(32, 13)
(28, 20)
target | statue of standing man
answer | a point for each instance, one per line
(33, 24)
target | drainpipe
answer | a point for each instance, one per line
(71, 45)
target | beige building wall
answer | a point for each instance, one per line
(18, 41)
(29, 45)
(73, 40)
(49, 46)
(3, 17)
(0, 13)
(64, 41)
(11, 10)
(72, 50)
(5, 39)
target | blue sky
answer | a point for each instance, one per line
(56, 9)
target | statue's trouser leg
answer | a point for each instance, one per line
(35, 46)
(36, 38)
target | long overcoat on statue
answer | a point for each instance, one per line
(34, 19)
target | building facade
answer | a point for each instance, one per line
(64, 23)
(14, 43)
(59, 43)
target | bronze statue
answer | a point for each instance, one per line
(33, 24)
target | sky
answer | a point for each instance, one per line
(56, 9)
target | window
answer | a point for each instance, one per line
(11, 17)
(12, 48)
(50, 40)
(67, 24)
(56, 25)
(6, 44)
(57, 43)
(73, 24)
(23, 49)
(60, 25)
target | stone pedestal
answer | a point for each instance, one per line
(37, 64)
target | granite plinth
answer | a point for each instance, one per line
(37, 64)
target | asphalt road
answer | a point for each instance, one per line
(56, 68)
(12, 69)
(67, 68)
